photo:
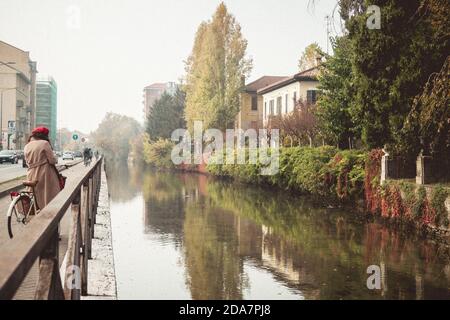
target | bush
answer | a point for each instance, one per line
(321, 171)
(158, 154)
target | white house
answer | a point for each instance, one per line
(279, 98)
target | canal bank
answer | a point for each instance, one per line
(191, 236)
(101, 270)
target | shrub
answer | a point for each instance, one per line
(158, 154)
(438, 197)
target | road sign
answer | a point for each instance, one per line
(75, 136)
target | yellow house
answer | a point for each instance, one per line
(251, 112)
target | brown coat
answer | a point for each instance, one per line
(40, 159)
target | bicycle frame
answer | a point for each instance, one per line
(33, 206)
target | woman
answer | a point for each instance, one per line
(41, 162)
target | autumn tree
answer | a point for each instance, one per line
(309, 57)
(215, 70)
(297, 126)
(114, 134)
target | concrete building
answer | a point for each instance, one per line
(251, 105)
(17, 96)
(281, 97)
(46, 105)
(154, 91)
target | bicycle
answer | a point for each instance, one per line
(22, 207)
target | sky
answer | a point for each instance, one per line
(102, 53)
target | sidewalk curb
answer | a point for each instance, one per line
(20, 186)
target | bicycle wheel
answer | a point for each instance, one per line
(17, 214)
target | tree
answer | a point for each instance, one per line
(309, 57)
(427, 126)
(391, 65)
(166, 115)
(337, 95)
(215, 72)
(114, 134)
(299, 125)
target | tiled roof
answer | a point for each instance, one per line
(262, 82)
(305, 75)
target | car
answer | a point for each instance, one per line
(78, 154)
(68, 156)
(9, 156)
(19, 154)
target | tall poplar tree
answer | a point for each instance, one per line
(215, 70)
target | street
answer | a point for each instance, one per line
(11, 171)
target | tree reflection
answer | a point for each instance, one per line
(124, 183)
(316, 252)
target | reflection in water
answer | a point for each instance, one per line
(190, 236)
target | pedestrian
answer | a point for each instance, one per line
(41, 166)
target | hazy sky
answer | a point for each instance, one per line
(118, 47)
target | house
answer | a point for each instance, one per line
(251, 112)
(154, 91)
(18, 96)
(280, 98)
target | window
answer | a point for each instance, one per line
(271, 106)
(254, 103)
(294, 98)
(279, 102)
(286, 103)
(265, 109)
(311, 96)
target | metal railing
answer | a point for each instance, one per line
(40, 240)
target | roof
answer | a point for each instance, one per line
(157, 86)
(10, 45)
(262, 82)
(305, 75)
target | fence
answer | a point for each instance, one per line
(41, 241)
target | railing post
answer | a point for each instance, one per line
(91, 216)
(72, 271)
(85, 238)
(49, 285)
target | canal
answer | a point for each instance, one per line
(188, 236)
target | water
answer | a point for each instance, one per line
(187, 236)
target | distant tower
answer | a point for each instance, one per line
(46, 105)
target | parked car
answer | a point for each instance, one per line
(8, 156)
(78, 154)
(19, 154)
(68, 156)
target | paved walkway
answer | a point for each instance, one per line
(11, 171)
(26, 291)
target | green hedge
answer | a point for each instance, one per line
(324, 171)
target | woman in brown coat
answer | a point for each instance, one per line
(41, 162)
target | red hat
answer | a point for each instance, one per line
(42, 130)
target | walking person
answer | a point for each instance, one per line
(41, 166)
